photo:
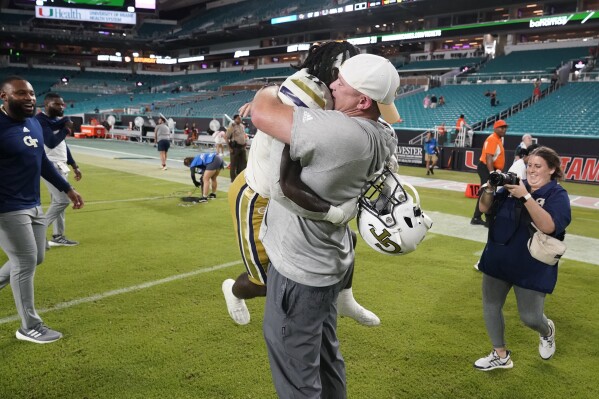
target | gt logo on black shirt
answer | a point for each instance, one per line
(30, 141)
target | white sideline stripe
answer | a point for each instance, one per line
(135, 156)
(93, 150)
(130, 200)
(133, 288)
(582, 249)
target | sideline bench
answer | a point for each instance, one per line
(123, 134)
(205, 142)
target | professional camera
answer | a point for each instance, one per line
(497, 179)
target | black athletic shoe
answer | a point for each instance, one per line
(62, 241)
(477, 221)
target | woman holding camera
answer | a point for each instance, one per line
(506, 262)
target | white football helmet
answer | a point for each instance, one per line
(304, 90)
(389, 219)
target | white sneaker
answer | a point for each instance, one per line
(493, 361)
(237, 308)
(347, 306)
(547, 344)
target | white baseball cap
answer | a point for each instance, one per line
(375, 77)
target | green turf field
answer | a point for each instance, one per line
(140, 305)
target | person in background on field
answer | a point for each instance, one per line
(22, 221)
(237, 142)
(430, 153)
(195, 133)
(55, 127)
(492, 159)
(208, 166)
(519, 167)
(524, 144)
(162, 138)
(220, 141)
(506, 262)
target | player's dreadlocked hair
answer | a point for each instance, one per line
(322, 56)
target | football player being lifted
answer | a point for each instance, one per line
(269, 170)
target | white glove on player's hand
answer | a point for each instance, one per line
(343, 213)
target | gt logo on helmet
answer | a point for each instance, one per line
(385, 241)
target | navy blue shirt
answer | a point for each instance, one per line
(22, 161)
(51, 139)
(506, 255)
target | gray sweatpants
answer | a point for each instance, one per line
(23, 239)
(300, 324)
(530, 308)
(59, 201)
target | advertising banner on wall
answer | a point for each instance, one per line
(80, 14)
(580, 169)
(409, 154)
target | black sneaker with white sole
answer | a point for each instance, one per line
(211, 196)
(62, 241)
(40, 334)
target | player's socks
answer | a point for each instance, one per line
(237, 308)
(348, 307)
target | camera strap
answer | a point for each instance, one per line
(519, 210)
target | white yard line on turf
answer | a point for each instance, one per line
(582, 249)
(133, 288)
